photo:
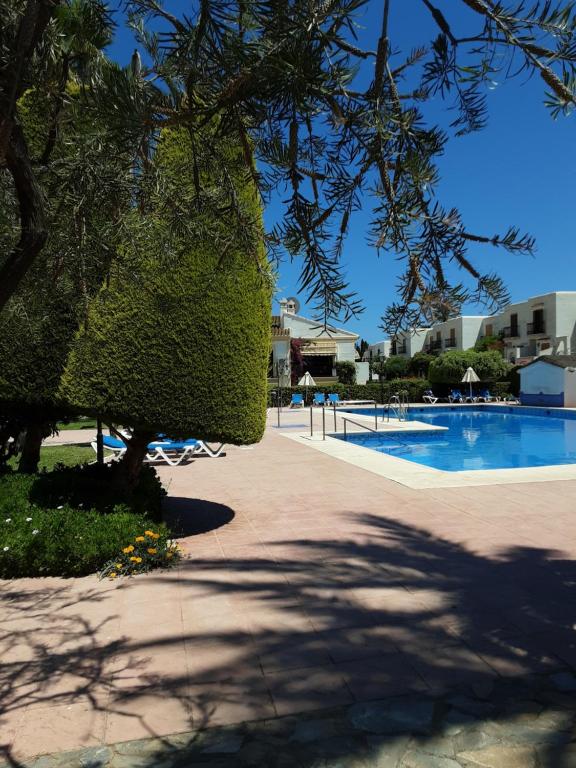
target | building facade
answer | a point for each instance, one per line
(541, 325)
(321, 347)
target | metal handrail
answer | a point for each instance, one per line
(357, 424)
(344, 419)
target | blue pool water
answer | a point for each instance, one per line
(480, 438)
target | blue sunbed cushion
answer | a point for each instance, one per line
(112, 442)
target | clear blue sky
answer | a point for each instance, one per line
(520, 170)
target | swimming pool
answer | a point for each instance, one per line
(487, 437)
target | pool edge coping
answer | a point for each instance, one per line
(419, 477)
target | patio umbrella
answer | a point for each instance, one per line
(306, 381)
(469, 377)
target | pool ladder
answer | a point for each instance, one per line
(398, 405)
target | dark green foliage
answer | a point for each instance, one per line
(346, 372)
(34, 343)
(449, 367)
(418, 364)
(178, 342)
(487, 343)
(396, 367)
(98, 487)
(80, 523)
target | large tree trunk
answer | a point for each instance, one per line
(33, 225)
(30, 455)
(131, 463)
(13, 149)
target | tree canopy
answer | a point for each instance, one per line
(450, 367)
(314, 110)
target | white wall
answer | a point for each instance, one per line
(345, 351)
(542, 378)
(362, 372)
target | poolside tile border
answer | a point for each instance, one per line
(417, 476)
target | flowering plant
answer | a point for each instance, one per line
(148, 551)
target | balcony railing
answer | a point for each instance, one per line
(533, 328)
(450, 343)
(510, 332)
(434, 345)
(399, 349)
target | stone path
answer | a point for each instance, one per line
(310, 584)
(508, 724)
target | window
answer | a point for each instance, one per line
(489, 330)
(514, 324)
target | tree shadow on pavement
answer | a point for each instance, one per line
(390, 645)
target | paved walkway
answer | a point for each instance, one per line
(310, 584)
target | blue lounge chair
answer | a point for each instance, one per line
(319, 398)
(297, 400)
(334, 398)
(456, 396)
(485, 396)
(429, 397)
(173, 452)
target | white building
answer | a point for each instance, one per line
(549, 380)
(541, 325)
(379, 350)
(457, 333)
(321, 347)
(408, 343)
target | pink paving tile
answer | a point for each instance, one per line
(228, 702)
(448, 667)
(379, 677)
(280, 652)
(301, 690)
(222, 658)
(59, 728)
(139, 714)
(357, 643)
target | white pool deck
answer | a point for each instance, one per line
(407, 473)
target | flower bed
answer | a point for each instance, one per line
(74, 521)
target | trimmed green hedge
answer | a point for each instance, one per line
(180, 345)
(371, 391)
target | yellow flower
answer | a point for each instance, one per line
(152, 551)
(128, 549)
(113, 575)
(136, 559)
(169, 555)
(119, 565)
(154, 535)
(149, 533)
(139, 538)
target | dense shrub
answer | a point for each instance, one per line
(450, 367)
(70, 522)
(396, 367)
(419, 364)
(179, 340)
(98, 487)
(346, 372)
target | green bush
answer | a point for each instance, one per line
(396, 367)
(450, 367)
(98, 487)
(179, 346)
(346, 372)
(66, 523)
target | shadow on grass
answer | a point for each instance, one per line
(466, 652)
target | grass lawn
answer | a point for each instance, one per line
(68, 455)
(80, 423)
